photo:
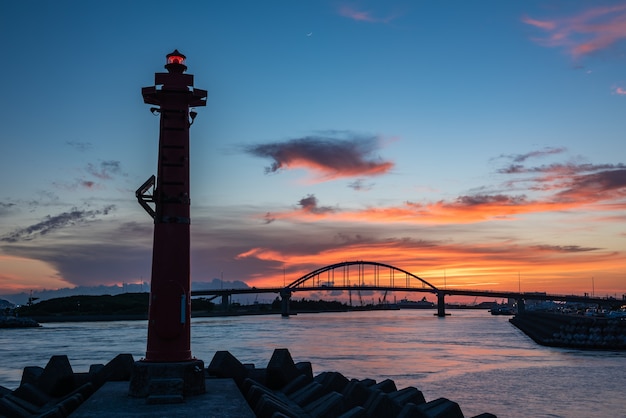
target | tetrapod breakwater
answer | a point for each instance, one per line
(573, 331)
(282, 389)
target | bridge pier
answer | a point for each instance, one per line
(441, 305)
(225, 301)
(521, 307)
(285, 297)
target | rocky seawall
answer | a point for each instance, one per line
(17, 322)
(573, 331)
(282, 389)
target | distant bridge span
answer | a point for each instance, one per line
(373, 280)
(345, 265)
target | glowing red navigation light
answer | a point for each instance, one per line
(176, 59)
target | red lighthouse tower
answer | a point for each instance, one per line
(166, 199)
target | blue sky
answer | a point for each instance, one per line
(484, 140)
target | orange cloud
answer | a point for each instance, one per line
(592, 30)
(595, 191)
(327, 156)
(589, 192)
(488, 266)
(22, 275)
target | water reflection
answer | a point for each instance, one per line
(474, 358)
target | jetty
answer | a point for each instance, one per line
(573, 331)
(284, 388)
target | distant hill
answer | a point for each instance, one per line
(22, 298)
(5, 304)
(105, 305)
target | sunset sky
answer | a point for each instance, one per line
(480, 141)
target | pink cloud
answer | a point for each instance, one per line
(363, 16)
(592, 30)
(619, 91)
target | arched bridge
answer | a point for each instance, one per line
(364, 277)
(361, 276)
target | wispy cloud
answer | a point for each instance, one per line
(96, 175)
(6, 208)
(359, 185)
(51, 223)
(565, 248)
(619, 91)
(594, 29)
(328, 157)
(361, 15)
(520, 158)
(105, 170)
(80, 146)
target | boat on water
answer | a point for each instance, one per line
(412, 304)
(502, 310)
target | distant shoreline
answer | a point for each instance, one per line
(144, 317)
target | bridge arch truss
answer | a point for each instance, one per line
(368, 274)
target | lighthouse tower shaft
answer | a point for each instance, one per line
(169, 332)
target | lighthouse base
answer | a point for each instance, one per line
(167, 382)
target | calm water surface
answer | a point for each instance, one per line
(476, 359)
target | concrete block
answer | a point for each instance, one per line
(246, 385)
(307, 394)
(54, 412)
(281, 369)
(356, 394)
(82, 378)
(296, 384)
(85, 390)
(57, 378)
(30, 374)
(332, 381)
(225, 364)
(95, 368)
(328, 406)
(410, 410)
(4, 391)
(27, 406)
(368, 382)
(305, 368)
(441, 408)
(32, 394)
(255, 392)
(12, 410)
(70, 403)
(380, 405)
(386, 386)
(119, 369)
(356, 412)
(260, 375)
(408, 395)
(191, 372)
(268, 406)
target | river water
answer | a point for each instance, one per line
(473, 358)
